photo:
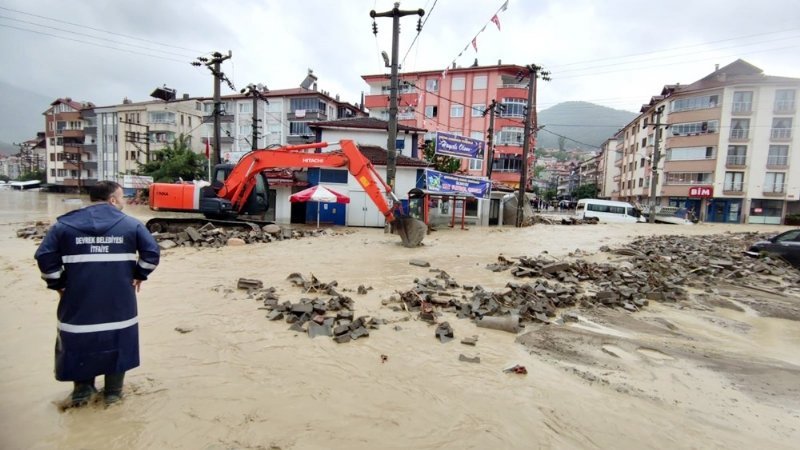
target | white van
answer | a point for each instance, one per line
(608, 211)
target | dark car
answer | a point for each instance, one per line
(785, 245)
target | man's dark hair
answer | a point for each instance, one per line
(102, 191)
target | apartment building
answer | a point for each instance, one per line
(726, 143)
(283, 119)
(455, 104)
(128, 134)
(71, 144)
(608, 171)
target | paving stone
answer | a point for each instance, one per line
(444, 332)
(473, 340)
(469, 359)
(419, 263)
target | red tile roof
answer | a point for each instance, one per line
(378, 156)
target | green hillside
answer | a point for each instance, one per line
(582, 121)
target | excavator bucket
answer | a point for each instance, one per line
(412, 231)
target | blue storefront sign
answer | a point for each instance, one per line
(446, 183)
(458, 146)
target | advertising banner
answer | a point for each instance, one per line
(458, 146)
(447, 183)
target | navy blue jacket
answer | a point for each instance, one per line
(91, 254)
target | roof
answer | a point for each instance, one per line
(72, 103)
(739, 71)
(378, 156)
(511, 68)
(369, 123)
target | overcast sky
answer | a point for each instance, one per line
(615, 53)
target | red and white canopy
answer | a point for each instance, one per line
(319, 194)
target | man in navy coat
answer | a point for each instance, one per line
(96, 257)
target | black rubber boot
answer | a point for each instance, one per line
(82, 393)
(112, 392)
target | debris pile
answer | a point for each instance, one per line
(210, 236)
(35, 230)
(331, 316)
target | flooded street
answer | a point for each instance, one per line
(217, 374)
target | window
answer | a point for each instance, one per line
(190, 121)
(307, 104)
(742, 102)
(52, 157)
(477, 109)
(431, 111)
(693, 103)
(457, 84)
(644, 124)
(479, 82)
(161, 117)
(641, 182)
(782, 128)
(510, 136)
(641, 164)
(734, 181)
(644, 142)
(784, 100)
(246, 108)
(692, 128)
(333, 176)
(299, 129)
(507, 163)
(690, 153)
(52, 172)
(689, 178)
(457, 111)
(737, 155)
(774, 182)
(245, 130)
(514, 107)
(475, 164)
(740, 129)
(432, 85)
(778, 155)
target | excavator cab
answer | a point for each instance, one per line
(215, 207)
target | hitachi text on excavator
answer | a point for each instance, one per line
(238, 193)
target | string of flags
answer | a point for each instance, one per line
(474, 42)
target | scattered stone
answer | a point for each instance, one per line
(470, 340)
(444, 332)
(183, 330)
(516, 369)
(419, 263)
(469, 359)
(235, 242)
(247, 283)
(167, 244)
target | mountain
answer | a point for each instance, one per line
(21, 115)
(582, 121)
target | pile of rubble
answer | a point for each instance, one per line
(564, 220)
(331, 316)
(34, 230)
(210, 236)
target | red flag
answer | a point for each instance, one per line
(475, 43)
(208, 149)
(496, 21)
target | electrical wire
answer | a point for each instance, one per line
(422, 26)
(94, 43)
(99, 29)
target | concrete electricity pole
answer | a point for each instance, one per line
(214, 65)
(651, 218)
(256, 91)
(534, 72)
(391, 144)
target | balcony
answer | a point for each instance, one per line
(79, 182)
(69, 133)
(74, 149)
(741, 108)
(69, 165)
(777, 162)
(781, 134)
(223, 118)
(784, 107)
(775, 190)
(739, 135)
(735, 188)
(736, 161)
(90, 130)
(307, 115)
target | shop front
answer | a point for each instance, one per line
(724, 210)
(763, 211)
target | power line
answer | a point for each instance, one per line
(100, 30)
(402, 63)
(570, 139)
(92, 36)
(93, 43)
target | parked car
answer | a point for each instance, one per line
(785, 245)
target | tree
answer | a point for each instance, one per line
(550, 194)
(174, 161)
(562, 143)
(446, 164)
(585, 191)
(33, 175)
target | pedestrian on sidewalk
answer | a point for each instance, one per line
(89, 256)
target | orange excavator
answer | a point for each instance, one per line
(238, 192)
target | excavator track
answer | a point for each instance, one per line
(176, 225)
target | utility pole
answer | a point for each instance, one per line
(534, 72)
(492, 109)
(255, 91)
(391, 144)
(214, 64)
(651, 218)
